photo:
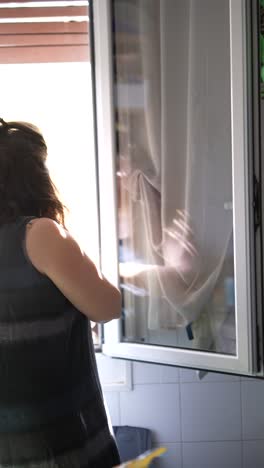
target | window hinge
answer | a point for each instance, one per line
(256, 203)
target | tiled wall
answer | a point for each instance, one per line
(214, 423)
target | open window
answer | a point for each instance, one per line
(177, 95)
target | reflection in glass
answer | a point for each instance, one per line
(174, 172)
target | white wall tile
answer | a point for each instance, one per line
(190, 375)
(206, 414)
(169, 374)
(154, 407)
(245, 378)
(211, 412)
(114, 374)
(253, 454)
(146, 373)
(212, 455)
(252, 393)
(111, 400)
(152, 373)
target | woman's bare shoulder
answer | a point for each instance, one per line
(45, 226)
(56, 254)
(44, 238)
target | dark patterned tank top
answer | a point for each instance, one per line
(51, 405)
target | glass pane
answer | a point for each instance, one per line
(174, 172)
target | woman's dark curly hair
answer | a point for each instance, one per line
(26, 188)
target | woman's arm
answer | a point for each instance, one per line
(54, 252)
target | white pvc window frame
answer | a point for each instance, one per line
(244, 360)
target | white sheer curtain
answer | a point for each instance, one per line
(179, 175)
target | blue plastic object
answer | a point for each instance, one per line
(132, 441)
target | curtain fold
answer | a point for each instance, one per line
(179, 178)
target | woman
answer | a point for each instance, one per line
(51, 407)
